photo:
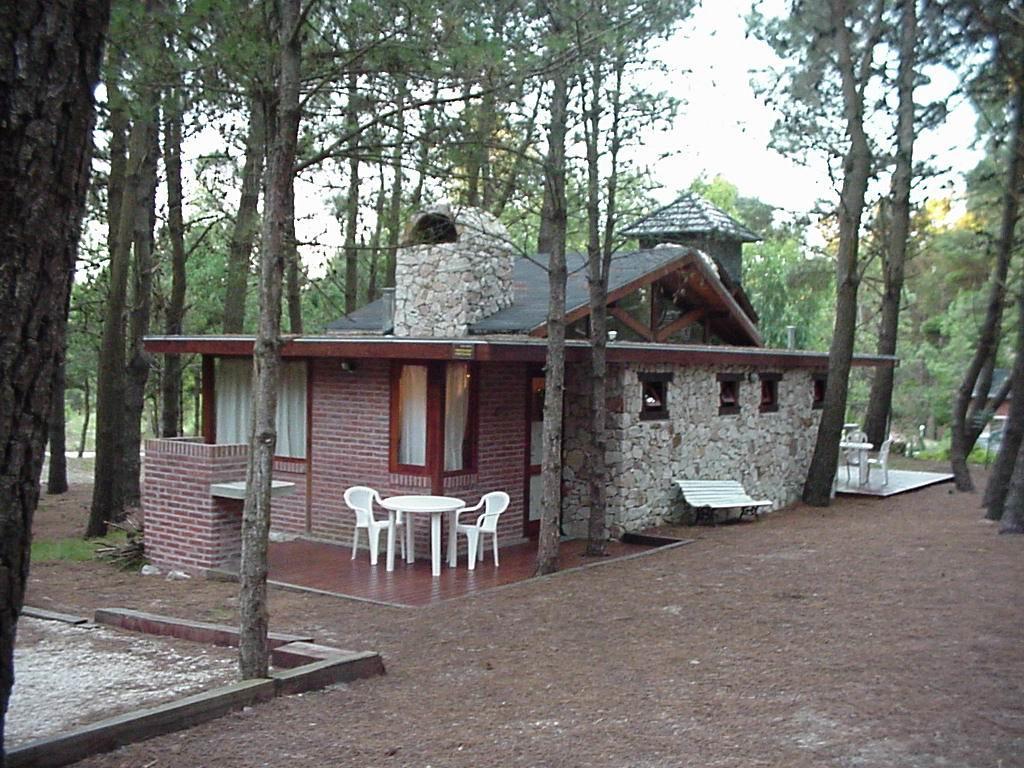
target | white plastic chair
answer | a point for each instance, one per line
(851, 456)
(493, 504)
(360, 498)
(882, 461)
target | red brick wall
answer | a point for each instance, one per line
(351, 433)
(189, 529)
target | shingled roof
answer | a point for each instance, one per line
(530, 279)
(690, 214)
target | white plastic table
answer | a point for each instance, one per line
(862, 458)
(435, 506)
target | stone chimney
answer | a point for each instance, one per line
(454, 267)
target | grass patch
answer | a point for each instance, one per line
(71, 550)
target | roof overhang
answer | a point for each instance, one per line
(517, 349)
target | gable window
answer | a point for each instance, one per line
(820, 380)
(433, 418)
(770, 392)
(729, 393)
(654, 395)
(233, 405)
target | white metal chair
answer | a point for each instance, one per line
(882, 461)
(493, 504)
(360, 499)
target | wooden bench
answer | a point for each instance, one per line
(706, 496)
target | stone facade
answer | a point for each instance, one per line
(768, 452)
(442, 288)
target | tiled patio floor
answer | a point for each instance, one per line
(329, 568)
(900, 481)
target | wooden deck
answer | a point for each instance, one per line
(900, 481)
(329, 568)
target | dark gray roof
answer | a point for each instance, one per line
(690, 214)
(530, 280)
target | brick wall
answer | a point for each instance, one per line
(351, 433)
(187, 528)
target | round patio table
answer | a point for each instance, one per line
(435, 506)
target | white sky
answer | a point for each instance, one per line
(723, 128)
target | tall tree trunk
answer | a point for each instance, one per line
(426, 142)
(377, 259)
(554, 377)
(969, 416)
(45, 142)
(283, 115)
(394, 223)
(87, 406)
(57, 478)
(174, 315)
(108, 492)
(293, 267)
(352, 202)
(1013, 511)
(246, 221)
(1013, 430)
(856, 171)
(139, 360)
(597, 529)
(879, 413)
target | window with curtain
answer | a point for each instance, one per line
(233, 398)
(456, 417)
(412, 416)
(433, 393)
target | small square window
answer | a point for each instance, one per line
(770, 392)
(654, 395)
(729, 393)
(820, 381)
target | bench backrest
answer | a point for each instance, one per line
(711, 489)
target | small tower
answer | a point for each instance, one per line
(692, 220)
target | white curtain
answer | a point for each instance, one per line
(291, 411)
(233, 397)
(233, 384)
(456, 414)
(412, 415)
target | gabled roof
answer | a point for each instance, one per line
(690, 214)
(629, 272)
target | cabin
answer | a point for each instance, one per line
(438, 387)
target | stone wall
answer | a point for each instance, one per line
(442, 288)
(768, 452)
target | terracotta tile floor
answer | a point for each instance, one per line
(329, 567)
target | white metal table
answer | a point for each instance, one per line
(862, 458)
(435, 506)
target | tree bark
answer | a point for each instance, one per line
(108, 490)
(968, 414)
(45, 142)
(856, 171)
(174, 315)
(283, 114)
(57, 478)
(554, 378)
(879, 412)
(1013, 511)
(1013, 431)
(395, 204)
(87, 407)
(352, 202)
(293, 268)
(139, 360)
(246, 221)
(597, 529)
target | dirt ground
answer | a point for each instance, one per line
(873, 633)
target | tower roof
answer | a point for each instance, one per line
(690, 214)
